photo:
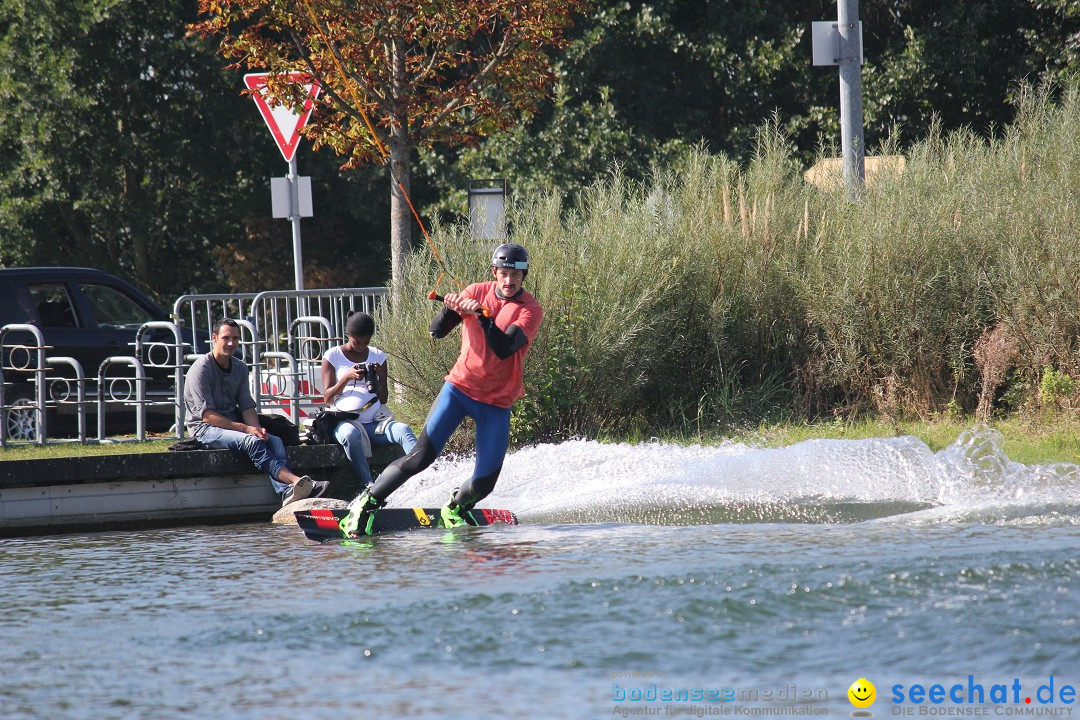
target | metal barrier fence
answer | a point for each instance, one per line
(284, 334)
(35, 386)
(283, 337)
(23, 415)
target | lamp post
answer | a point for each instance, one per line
(487, 208)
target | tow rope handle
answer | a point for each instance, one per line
(439, 298)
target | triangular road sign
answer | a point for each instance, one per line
(284, 124)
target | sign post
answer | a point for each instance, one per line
(840, 43)
(291, 195)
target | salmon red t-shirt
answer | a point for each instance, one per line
(478, 372)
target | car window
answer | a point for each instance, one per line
(114, 309)
(53, 304)
(16, 305)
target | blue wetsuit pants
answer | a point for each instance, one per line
(449, 409)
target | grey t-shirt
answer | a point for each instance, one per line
(208, 386)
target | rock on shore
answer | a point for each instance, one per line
(285, 515)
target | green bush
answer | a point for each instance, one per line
(1055, 386)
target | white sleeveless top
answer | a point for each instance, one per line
(354, 396)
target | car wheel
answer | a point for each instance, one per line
(20, 421)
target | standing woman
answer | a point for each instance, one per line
(354, 381)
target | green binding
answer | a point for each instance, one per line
(452, 514)
(361, 513)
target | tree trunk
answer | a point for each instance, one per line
(400, 185)
(139, 250)
(400, 217)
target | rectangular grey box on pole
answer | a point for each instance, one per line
(825, 41)
(281, 197)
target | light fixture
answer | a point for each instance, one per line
(487, 208)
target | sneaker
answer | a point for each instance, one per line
(453, 514)
(319, 488)
(298, 491)
(361, 517)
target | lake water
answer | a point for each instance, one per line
(646, 580)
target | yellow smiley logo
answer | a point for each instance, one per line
(862, 693)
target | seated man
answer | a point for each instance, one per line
(354, 378)
(221, 414)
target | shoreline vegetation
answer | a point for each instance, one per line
(716, 298)
(719, 301)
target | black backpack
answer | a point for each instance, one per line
(323, 424)
(281, 426)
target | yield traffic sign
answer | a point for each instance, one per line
(285, 125)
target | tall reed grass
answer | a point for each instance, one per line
(715, 295)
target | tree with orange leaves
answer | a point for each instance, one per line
(397, 75)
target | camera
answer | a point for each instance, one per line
(369, 377)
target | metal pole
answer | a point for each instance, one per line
(294, 218)
(851, 113)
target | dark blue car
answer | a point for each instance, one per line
(88, 315)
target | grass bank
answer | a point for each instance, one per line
(1031, 441)
(74, 449)
(1049, 439)
(1023, 440)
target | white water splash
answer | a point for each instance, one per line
(895, 479)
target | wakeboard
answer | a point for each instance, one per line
(321, 524)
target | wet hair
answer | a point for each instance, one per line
(221, 322)
(360, 324)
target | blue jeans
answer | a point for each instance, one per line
(267, 456)
(348, 435)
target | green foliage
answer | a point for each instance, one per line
(643, 81)
(552, 408)
(1055, 386)
(716, 294)
(1035, 209)
(117, 129)
(132, 150)
(428, 71)
(128, 146)
(1017, 392)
